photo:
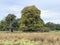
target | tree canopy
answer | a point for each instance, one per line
(30, 19)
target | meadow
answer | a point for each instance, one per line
(30, 38)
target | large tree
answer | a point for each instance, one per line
(31, 19)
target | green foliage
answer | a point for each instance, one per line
(30, 19)
(10, 18)
(16, 24)
(45, 29)
(3, 26)
(10, 21)
(52, 26)
(57, 26)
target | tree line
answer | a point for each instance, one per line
(30, 21)
(52, 26)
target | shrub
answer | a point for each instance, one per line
(45, 29)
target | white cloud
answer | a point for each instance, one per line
(50, 16)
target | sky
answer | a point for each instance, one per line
(50, 9)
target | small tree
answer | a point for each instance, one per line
(10, 23)
(10, 19)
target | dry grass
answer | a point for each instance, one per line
(40, 38)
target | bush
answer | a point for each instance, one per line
(45, 29)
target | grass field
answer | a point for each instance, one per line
(32, 38)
